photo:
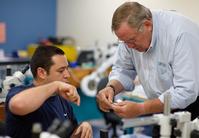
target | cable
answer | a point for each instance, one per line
(25, 69)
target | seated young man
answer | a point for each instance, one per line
(46, 99)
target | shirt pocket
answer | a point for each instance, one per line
(164, 76)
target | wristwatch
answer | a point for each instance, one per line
(111, 86)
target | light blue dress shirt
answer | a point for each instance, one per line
(171, 64)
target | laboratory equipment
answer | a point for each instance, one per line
(12, 80)
(180, 121)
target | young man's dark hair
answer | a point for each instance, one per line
(39, 60)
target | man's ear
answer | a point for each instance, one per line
(41, 73)
(148, 24)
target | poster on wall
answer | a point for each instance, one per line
(2, 32)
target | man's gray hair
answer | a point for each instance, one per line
(131, 12)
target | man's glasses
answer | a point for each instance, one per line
(133, 39)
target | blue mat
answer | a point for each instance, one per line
(88, 108)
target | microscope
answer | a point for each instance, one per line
(57, 129)
(11, 81)
(180, 121)
(90, 82)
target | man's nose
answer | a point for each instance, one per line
(67, 73)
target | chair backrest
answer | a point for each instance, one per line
(110, 117)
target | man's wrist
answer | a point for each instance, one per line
(55, 87)
(112, 87)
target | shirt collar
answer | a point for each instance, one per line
(154, 34)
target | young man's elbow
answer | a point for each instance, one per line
(17, 107)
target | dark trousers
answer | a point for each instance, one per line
(2, 129)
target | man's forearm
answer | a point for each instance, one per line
(152, 106)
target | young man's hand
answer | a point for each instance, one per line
(84, 130)
(68, 92)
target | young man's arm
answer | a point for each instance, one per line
(31, 99)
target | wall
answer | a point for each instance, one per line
(27, 21)
(90, 20)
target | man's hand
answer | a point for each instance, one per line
(83, 131)
(105, 99)
(128, 109)
(68, 92)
